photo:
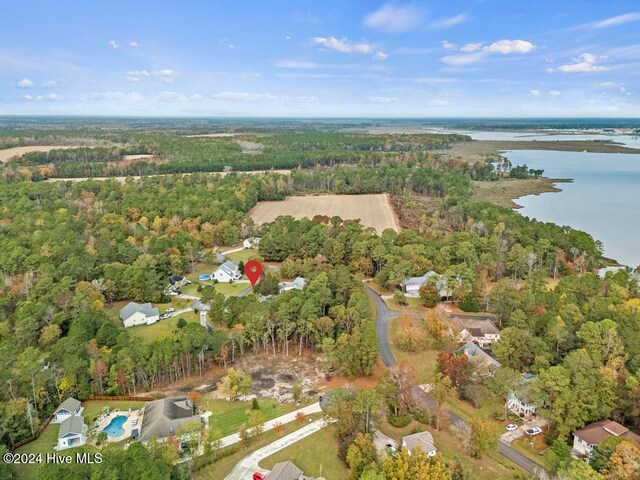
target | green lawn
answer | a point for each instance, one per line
(220, 469)
(411, 303)
(316, 455)
(229, 416)
(231, 289)
(245, 256)
(162, 328)
(530, 447)
(424, 362)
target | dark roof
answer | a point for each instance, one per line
(476, 332)
(73, 424)
(284, 471)
(70, 405)
(175, 279)
(596, 432)
(164, 417)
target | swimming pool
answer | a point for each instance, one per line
(114, 429)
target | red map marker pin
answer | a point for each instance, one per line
(253, 270)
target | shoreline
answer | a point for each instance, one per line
(506, 191)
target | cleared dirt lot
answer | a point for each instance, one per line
(7, 154)
(372, 210)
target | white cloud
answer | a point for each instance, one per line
(535, 93)
(245, 97)
(466, 59)
(296, 64)
(554, 93)
(394, 18)
(380, 99)
(617, 20)
(287, 37)
(134, 44)
(448, 22)
(51, 97)
(510, 46)
(305, 99)
(448, 45)
(380, 55)
(49, 83)
(343, 45)
(25, 83)
(166, 75)
(116, 95)
(172, 97)
(607, 85)
(437, 102)
(471, 47)
(113, 44)
(585, 63)
(27, 97)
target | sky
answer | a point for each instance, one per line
(321, 58)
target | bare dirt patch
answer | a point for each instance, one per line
(251, 148)
(371, 210)
(7, 154)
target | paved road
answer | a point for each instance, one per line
(249, 464)
(287, 418)
(384, 314)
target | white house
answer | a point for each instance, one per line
(423, 440)
(298, 284)
(585, 439)
(520, 404)
(226, 272)
(412, 285)
(72, 432)
(69, 407)
(484, 335)
(251, 242)
(139, 314)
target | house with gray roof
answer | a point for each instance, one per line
(286, 471)
(298, 284)
(167, 416)
(411, 286)
(251, 242)
(69, 407)
(72, 432)
(422, 440)
(138, 314)
(480, 358)
(227, 272)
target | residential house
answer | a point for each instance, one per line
(286, 471)
(481, 359)
(520, 403)
(585, 439)
(485, 334)
(139, 314)
(412, 285)
(72, 432)
(176, 282)
(298, 284)
(422, 440)
(251, 242)
(165, 417)
(227, 272)
(69, 407)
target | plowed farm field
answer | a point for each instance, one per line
(372, 210)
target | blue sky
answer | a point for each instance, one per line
(321, 58)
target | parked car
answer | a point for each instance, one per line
(164, 316)
(511, 427)
(391, 447)
(170, 310)
(173, 294)
(533, 431)
(258, 476)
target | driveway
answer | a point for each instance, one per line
(384, 314)
(245, 468)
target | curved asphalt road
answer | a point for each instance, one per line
(384, 314)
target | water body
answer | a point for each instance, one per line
(115, 428)
(603, 200)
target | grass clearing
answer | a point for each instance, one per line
(503, 192)
(162, 328)
(245, 255)
(424, 362)
(229, 416)
(93, 408)
(316, 455)
(231, 289)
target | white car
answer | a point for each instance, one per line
(533, 431)
(511, 427)
(170, 310)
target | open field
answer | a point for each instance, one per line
(316, 455)
(162, 328)
(372, 210)
(504, 192)
(7, 154)
(137, 177)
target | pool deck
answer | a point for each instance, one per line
(131, 415)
